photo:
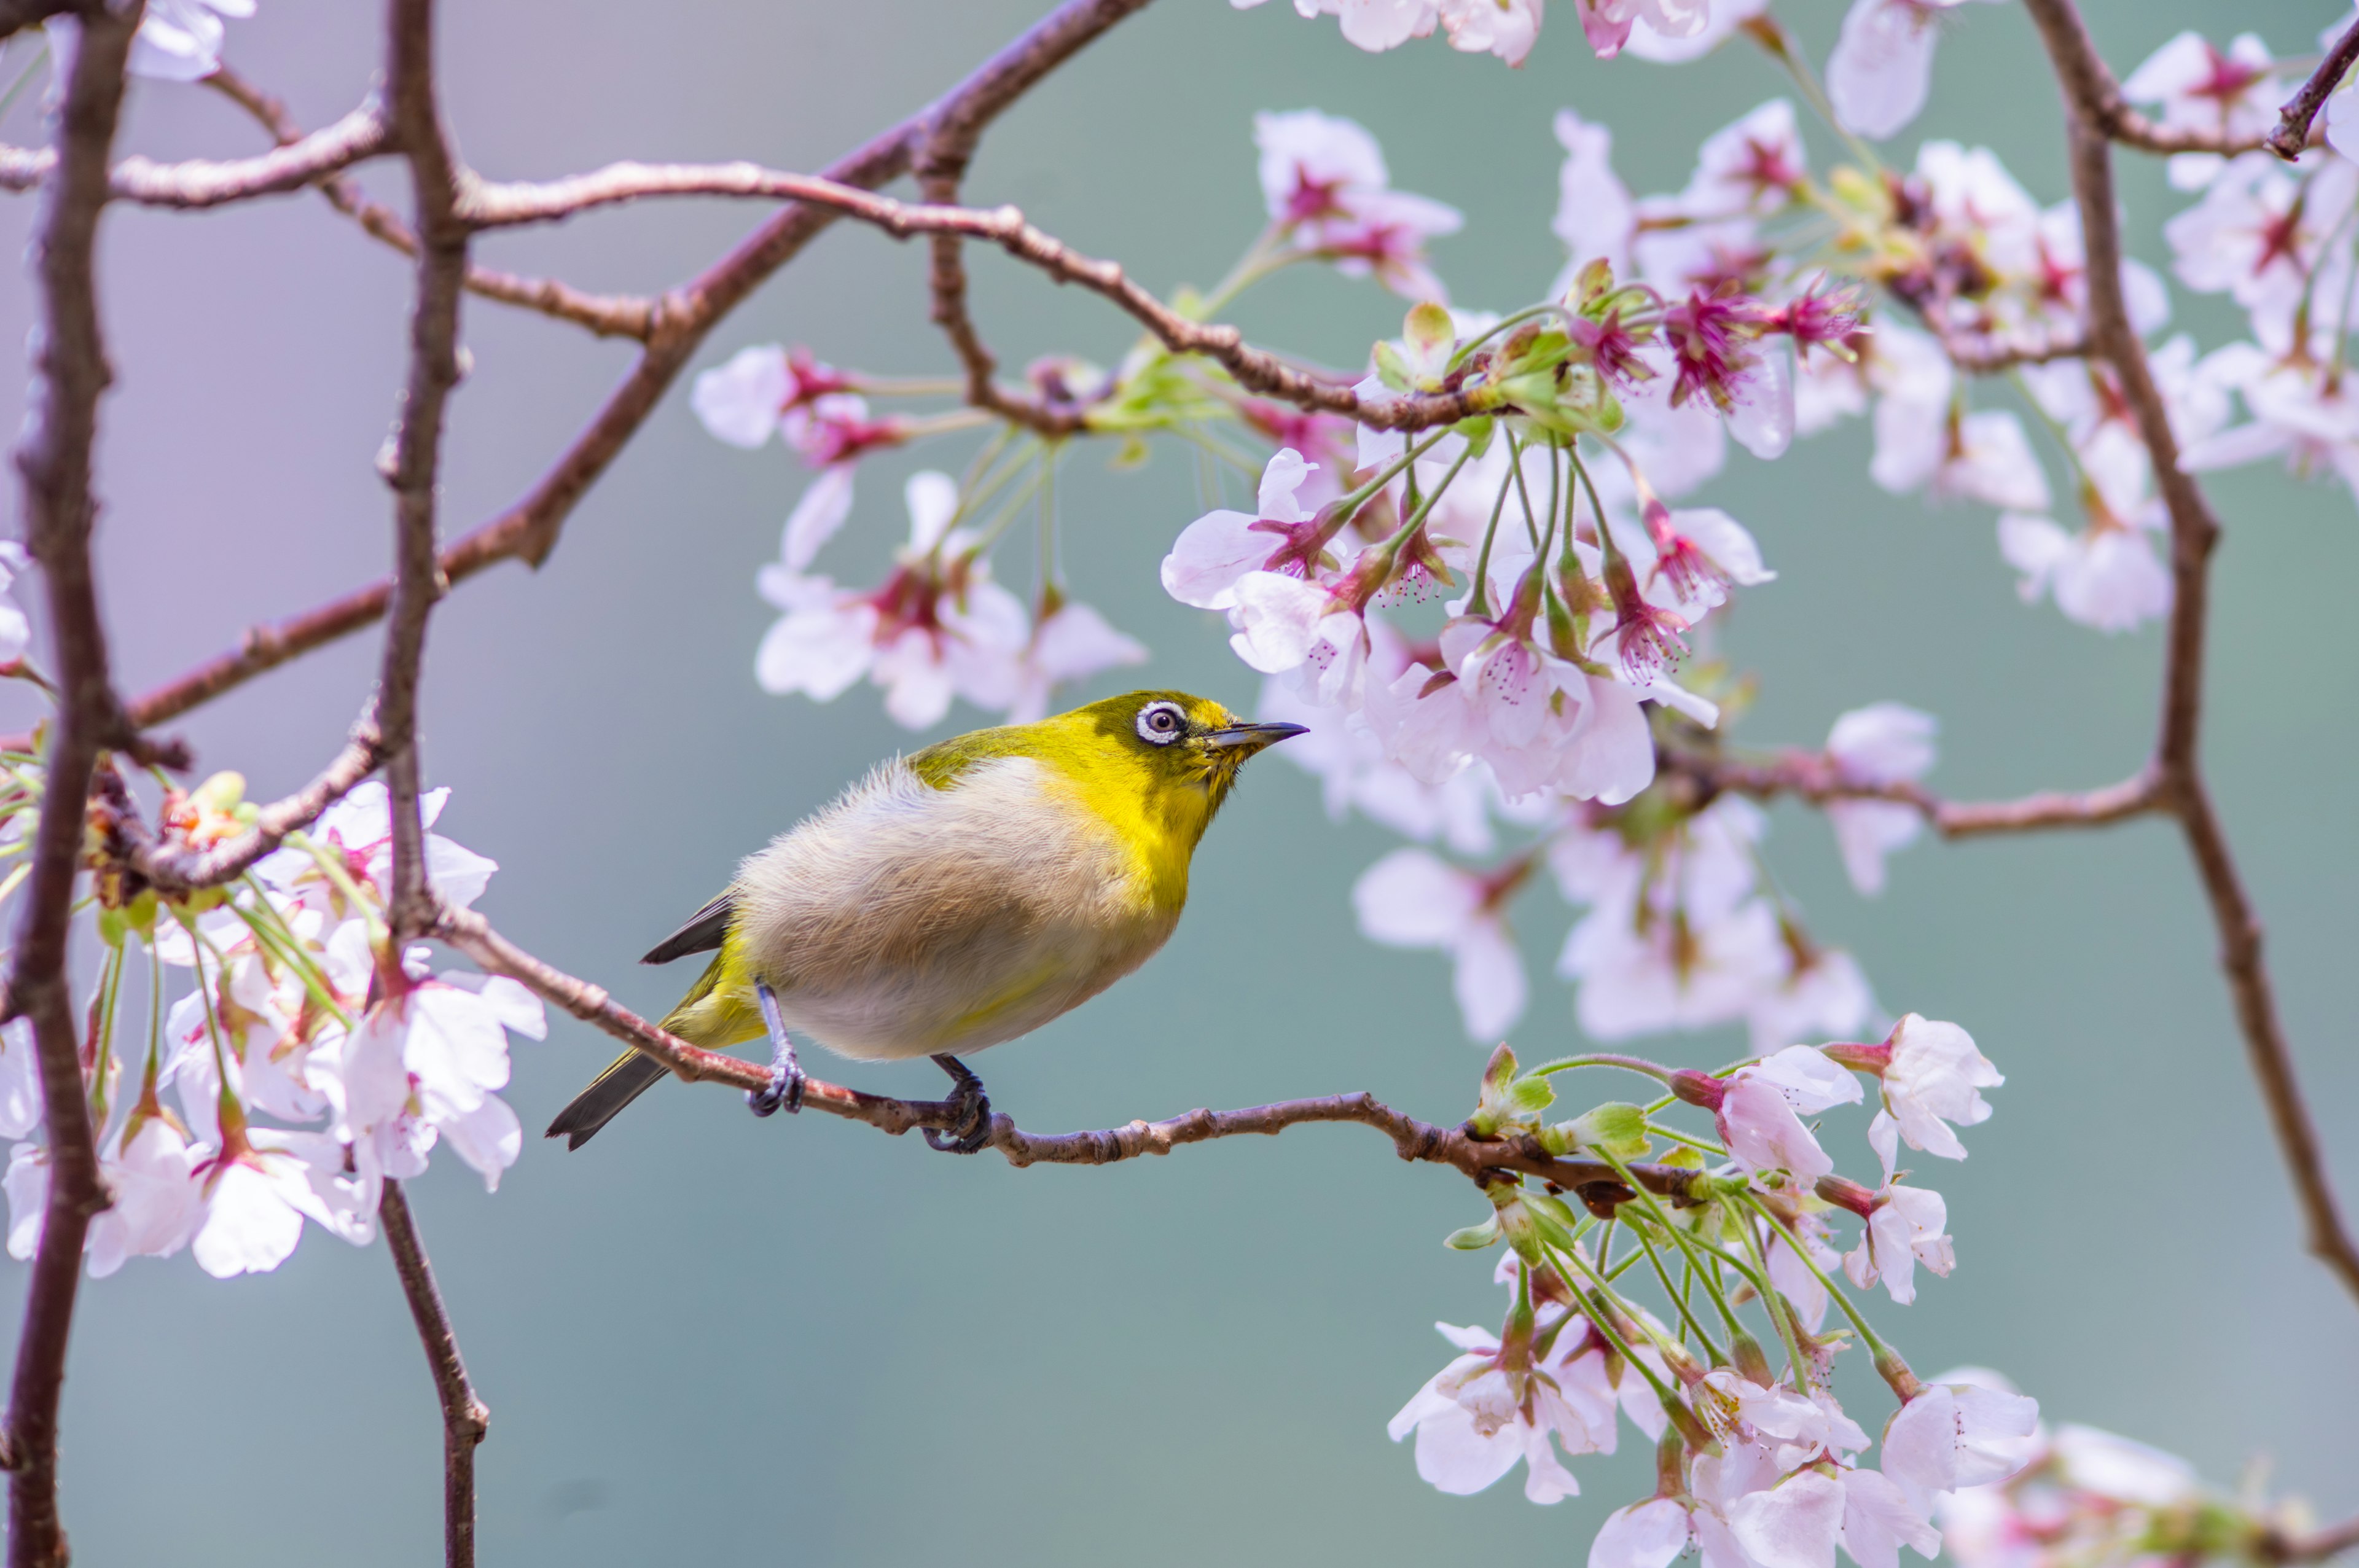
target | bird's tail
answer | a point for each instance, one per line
(713, 1014)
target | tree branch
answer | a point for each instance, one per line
(2292, 134)
(1412, 1138)
(607, 315)
(495, 206)
(443, 234)
(678, 325)
(2313, 1546)
(1818, 779)
(466, 1417)
(2091, 91)
(54, 459)
(2195, 531)
(203, 182)
(178, 867)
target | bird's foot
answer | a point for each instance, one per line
(974, 1128)
(785, 1089)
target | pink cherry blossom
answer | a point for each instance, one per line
(180, 40)
(1957, 1433)
(1411, 898)
(1476, 1417)
(1594, 215)
(157, 1206)
(2197, 87)
(258, 1196)
(937, 628)
(1072, 642)
(360, 826)
(1903, 1229)
(1759, 1108)
(1324, 182)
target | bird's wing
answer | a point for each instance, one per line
(701, 934)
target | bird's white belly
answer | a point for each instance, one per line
(906, 921)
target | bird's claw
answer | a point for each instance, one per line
(973, 1130)
(785, 1089)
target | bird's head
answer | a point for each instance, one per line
(1171, 740)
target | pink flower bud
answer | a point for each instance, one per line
(1700, 1088)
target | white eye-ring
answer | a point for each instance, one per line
(1160, 723)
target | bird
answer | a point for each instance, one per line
(953, 899)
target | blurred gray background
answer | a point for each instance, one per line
(710, 1338)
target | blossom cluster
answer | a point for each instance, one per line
(1755, 1468)
(362, 1060)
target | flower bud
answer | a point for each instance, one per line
(1699, 1089)
(1846, 1193)
(1745, 1354)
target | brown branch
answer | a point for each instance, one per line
(18, 15)
(54, 459)
(1995, 353)
(416, 461)
(1412, 1138)
(173, 868)
(466, 1417)
(608, 316)
(492, 206)
(1818, 779)
(2292, 134)
(528, 530)
(2195, 531)
(203, 182)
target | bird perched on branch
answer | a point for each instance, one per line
(953, 899)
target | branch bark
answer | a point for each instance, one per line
(1818, 779)
(1412, 1138)
(678, 325)
(203, 182)
(54, 459)
(2194, 532)
(466, 1417)
(604, 315)
(442, 237)
(2292, 134)
(177, 867)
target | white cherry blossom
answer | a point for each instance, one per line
(1882, 67)
(1476, 1419)
(2197, 87)
(1883, 743)
(1412, 899)
(1958, 1432)
(1904, 1228)
(180, 40)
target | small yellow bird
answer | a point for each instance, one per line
(954, 898)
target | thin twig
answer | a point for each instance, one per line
(2292, 134)
(2195, 531)
(528, 530)
(1412, 1138)
(54, 458)
(1995, 353)
(1819, 779)
(177, 868)
(466, 1417)
(204, 182)
(490, 206)
(606, 315)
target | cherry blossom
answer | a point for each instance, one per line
(2197, 87)
(158, 1204)
(1903, 1229)
(1480, 1414)
(2107, 575)
(424, 1065)
(180, 40)
(360, 828)
(1072, 643)
(1931, 1077)
(1411, 898)
(1957, 1432)
(1325, 184)
(16, 631)
(1758, 1109)
(1824, 992)
(937, 628)
(2260, 235)
(20, 1079)
(260, 1189)
(1882, 67)
(1594, 215)
(1883, 743)
(743, 401)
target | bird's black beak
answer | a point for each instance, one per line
(1248, 739)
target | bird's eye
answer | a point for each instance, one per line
(1160, 723)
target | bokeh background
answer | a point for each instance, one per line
(710, 1338)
